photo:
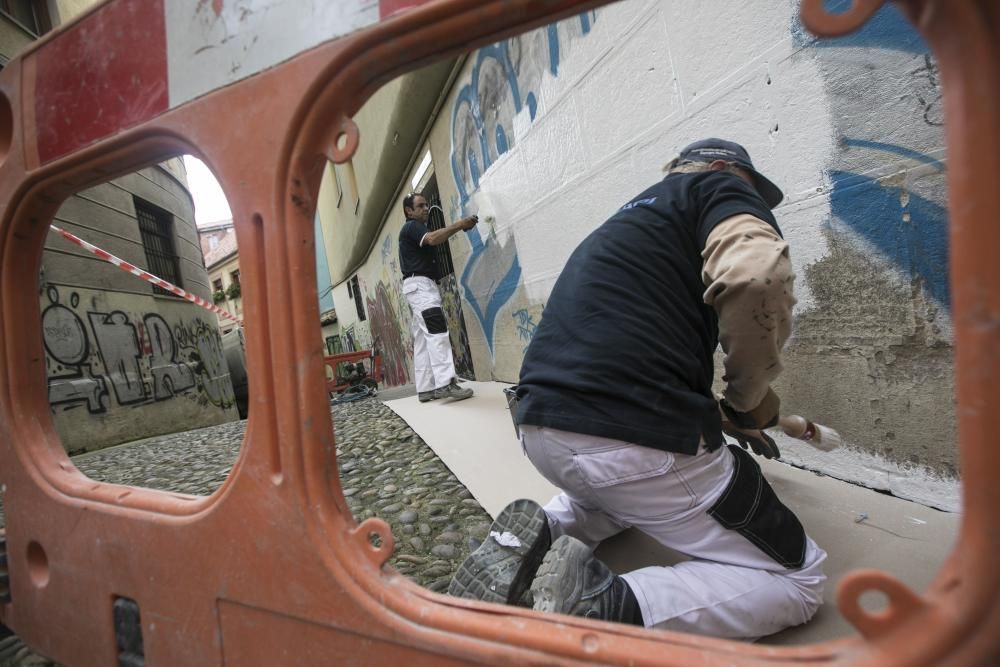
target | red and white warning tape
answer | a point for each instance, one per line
(148, 277)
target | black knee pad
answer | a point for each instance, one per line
(750, 507)
(434, 319)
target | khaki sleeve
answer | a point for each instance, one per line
(748, 280)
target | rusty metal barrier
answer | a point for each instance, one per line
(272, 568)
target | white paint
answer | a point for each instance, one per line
(506, 539)
(206, 52)
(850, 464)
(584, 155)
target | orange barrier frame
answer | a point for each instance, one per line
(272, 568)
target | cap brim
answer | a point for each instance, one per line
(769, 192)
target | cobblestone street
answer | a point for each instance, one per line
(386, 471)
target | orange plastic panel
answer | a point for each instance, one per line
(272, 568)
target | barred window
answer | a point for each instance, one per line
(157, 229)
(354, 289)
(30, 14)
(435, 221)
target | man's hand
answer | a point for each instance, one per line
(765, 415)
(469, 222)
(761, 443)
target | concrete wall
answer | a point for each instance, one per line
(552, 131)
(122, 362)
(122, 367)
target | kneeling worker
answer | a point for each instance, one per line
(615, 408)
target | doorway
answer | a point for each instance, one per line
(451, 299)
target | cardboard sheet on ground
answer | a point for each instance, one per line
(858, 527)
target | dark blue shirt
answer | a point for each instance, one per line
(414, 258)
(624, 348)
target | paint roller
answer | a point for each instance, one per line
(815, 435)
(483, 206)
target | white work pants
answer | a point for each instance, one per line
(730, 588)
(433, 365)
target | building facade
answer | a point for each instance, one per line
(126, 359)
(222, 261)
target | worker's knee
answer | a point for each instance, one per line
(435, 321)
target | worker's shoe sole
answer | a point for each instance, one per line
(502, 568)
(572, 581)
(425, 396)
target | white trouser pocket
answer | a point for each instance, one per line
(634, 482)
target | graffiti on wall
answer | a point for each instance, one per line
(526, 324)
(389, 318)
(505, 80)
(888, 184)
(451, 304)
(127, 360)
(386, 328)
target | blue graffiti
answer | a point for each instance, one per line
(907, 228)
(497, 57)
(526, 325)
(910, 230)
(501, 84)
(489, 279)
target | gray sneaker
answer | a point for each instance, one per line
(501, 569)
(453, 391)
(424, 396)
(571, 581)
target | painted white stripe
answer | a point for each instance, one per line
(214, 44)
(139, 273)
(910, 482)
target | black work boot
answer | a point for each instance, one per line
(424, 396)
(502, 568)
(453, 391)
(571, 581)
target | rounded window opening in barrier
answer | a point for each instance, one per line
(142, 307)
(547, 136)
(38, 565)
(6, 127)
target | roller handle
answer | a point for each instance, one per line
(821, 437)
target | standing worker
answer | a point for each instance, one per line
(433, 365)
(615, 407)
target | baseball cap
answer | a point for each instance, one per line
(709, 150)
